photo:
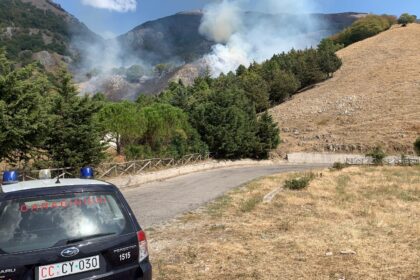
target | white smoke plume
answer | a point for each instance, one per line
(248, 30)
(112, 5)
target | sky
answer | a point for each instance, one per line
(110, 18)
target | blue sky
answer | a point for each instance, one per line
(107, 21)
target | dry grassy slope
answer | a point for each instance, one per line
(374, 99)
(359, 223)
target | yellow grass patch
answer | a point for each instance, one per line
(359, 223)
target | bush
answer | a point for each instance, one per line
(378, 155)
(417, 146)
(250, 204)
(134, 73)
(339, 166)
(406, 19)
(362, 29)
(299, 183)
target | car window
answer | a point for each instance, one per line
(40, 223)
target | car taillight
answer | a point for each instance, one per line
(143, 251)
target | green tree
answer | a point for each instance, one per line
(169, 132)
(162, 68)
(406, 18)
(417, 146)
(23, 111)
(74, 137)
(145, 100)
(241, 70)
(177, 95)
(268, 135)
(134, 73)
(123, 122)
(226, 121)
(283, 85)
(256, 89)
(328, 61)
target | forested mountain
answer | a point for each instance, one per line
(177, 37)
(144, 60)
(42, 30)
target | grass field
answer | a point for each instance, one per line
(358, 223)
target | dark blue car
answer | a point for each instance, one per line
(69, 229)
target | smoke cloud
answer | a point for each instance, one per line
(103, 66)
(113, 5)
(242, 36)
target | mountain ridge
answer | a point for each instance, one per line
(54, 37)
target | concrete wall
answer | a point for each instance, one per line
(320, 157)
(330, 158)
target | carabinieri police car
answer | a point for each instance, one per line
(69, 229)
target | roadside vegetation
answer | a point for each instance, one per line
(378, 155)
(358, 223)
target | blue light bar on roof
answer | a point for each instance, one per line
(10, 177)
(86, 173)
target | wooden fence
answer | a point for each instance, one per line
(139, 166)
(117, 169)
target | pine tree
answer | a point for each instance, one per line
(328, 61)
(256, 89)
(74, 139)
(23, 111)
(123, 121)
(268, 136)
(226, 121)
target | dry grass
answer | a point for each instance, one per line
(374, 212)
(374, 99)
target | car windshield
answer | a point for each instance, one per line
(40, 223)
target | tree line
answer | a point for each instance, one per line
(369, 26)
(225, 116)
(44, 122)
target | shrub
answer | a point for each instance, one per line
(249, 204)
(378, 155)
(134, 73)
(406, 19)
(417, 146)
(299, 183)
(339, 166)
(135, 152)
(362, 29)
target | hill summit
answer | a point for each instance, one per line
(373, 100)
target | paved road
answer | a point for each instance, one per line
(158, 202)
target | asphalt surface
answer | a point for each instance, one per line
(158, 202)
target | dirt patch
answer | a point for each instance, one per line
(358, 223)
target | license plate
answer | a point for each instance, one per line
(68, 268)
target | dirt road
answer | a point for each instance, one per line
(158, 202)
